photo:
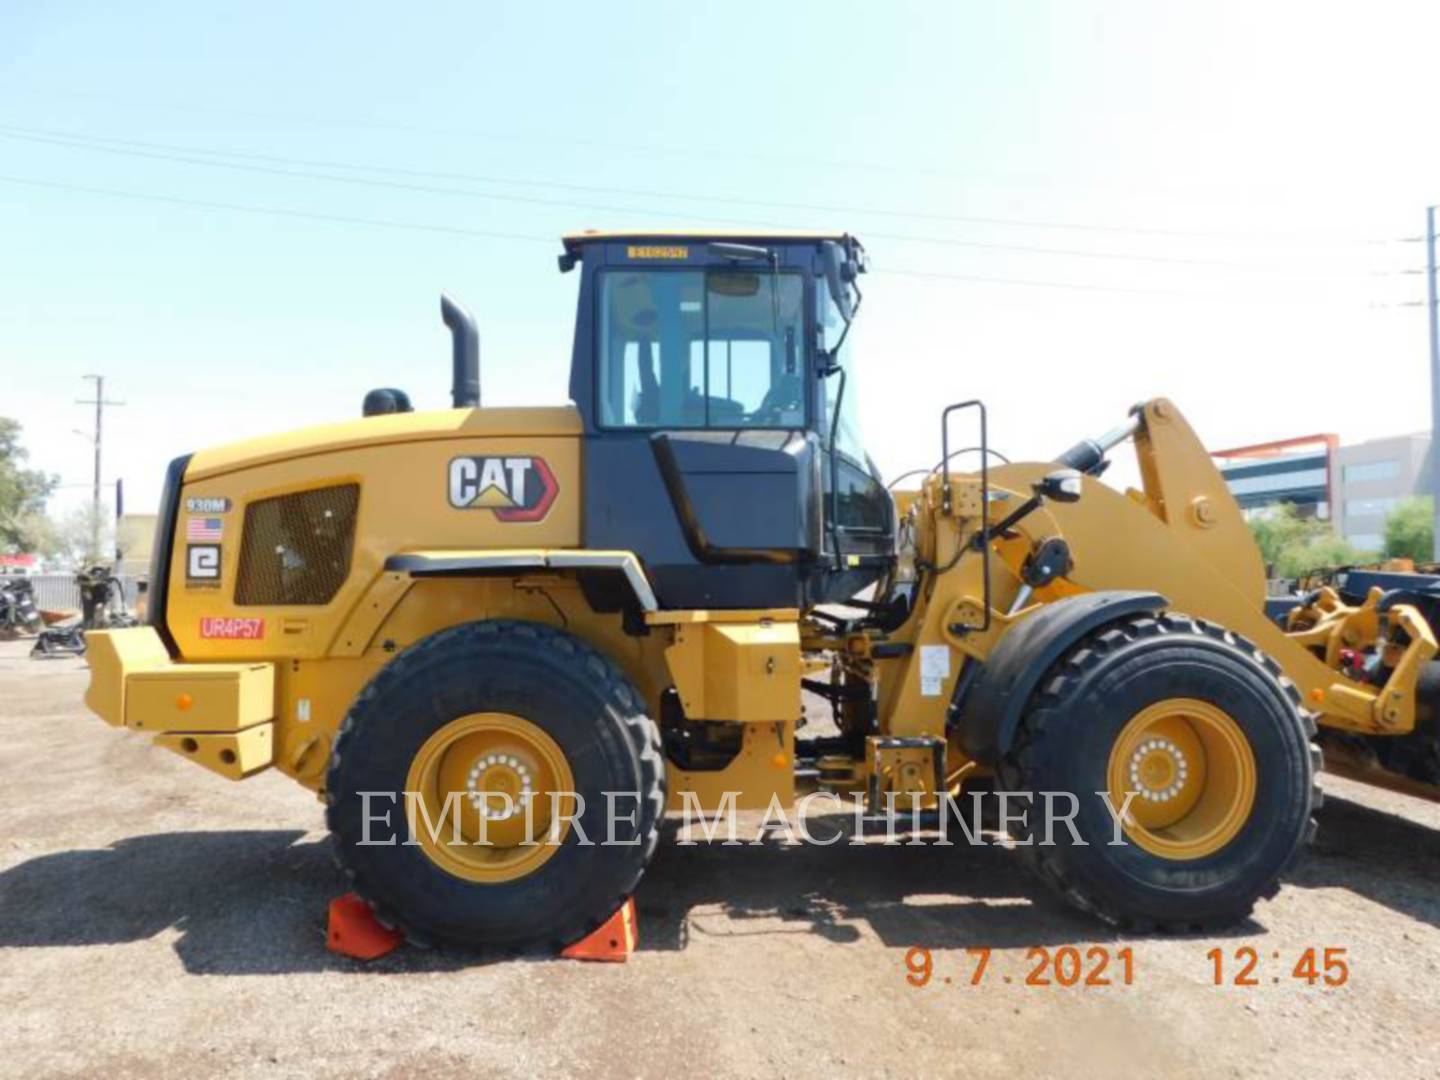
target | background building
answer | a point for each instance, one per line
(1356, 486)
(1298, 471)
(1374, 476)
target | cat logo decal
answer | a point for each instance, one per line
(513, 488)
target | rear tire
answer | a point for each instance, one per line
(592, 727)
(1228, 768)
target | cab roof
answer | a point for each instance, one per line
(573, 241)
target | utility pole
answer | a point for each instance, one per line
(1433, 314)
(99, 402)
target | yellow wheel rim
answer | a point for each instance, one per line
(482, 793)
(1193, 776)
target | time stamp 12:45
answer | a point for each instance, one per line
(1100, 965)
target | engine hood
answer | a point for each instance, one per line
(380, 430)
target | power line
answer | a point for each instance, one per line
(276, 211)
(1075, 285)
(808, 162)
(89, 142)
(965, 219)
(185, 155)
(1087, 287)
(456, 230)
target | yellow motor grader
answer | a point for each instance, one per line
(500, 642)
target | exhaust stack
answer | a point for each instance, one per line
(465, 383)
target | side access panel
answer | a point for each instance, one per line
(717, 525)
(742, 495)
(739, 668)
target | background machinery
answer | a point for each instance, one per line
(549, 622)
(18, 613)
(1358, 619)
(103, 606)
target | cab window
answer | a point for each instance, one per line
(719, 348)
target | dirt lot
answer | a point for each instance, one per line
(158, 920)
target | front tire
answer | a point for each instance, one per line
(1210, 737)
(465, 715)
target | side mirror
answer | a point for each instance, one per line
(835, 268)
(1061, 486)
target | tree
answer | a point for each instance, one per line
(22, 492)
(72, 536)
(42, 535)
(1278, 530)
(1323, 551)
(1292, 546)
(1410, 530)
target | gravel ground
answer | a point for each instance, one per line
(157, 920)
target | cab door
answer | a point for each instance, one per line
(704, 460)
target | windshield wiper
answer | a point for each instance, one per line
(755, 253)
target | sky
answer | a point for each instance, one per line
(243, 214)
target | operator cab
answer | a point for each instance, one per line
(713, 376)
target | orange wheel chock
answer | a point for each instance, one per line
(612, 942)
(354, 931)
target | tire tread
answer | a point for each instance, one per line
(1047, 862)
(641, 731)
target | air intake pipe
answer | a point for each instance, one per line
(465, 384)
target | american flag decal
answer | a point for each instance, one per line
(203, 530)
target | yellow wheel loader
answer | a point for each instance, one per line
(501, 642)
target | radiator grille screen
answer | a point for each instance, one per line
(296, 548)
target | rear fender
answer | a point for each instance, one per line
(995, 701)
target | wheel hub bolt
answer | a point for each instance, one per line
(1158, 770)
(501, 774)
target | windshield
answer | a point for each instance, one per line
(719, 348)
(832, 329)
